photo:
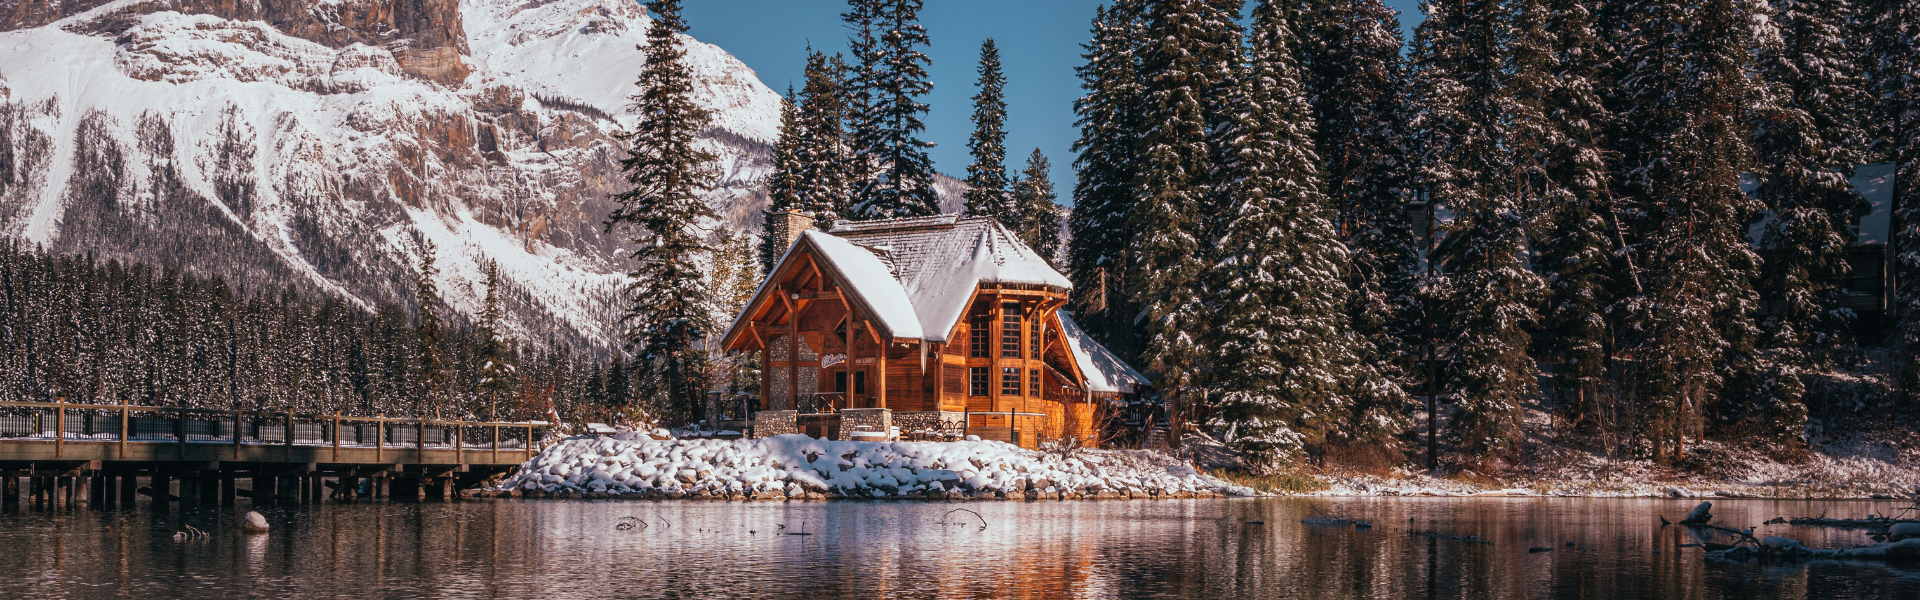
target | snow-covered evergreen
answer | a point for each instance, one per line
(1109, 121)
(891, 78)
(667, 319)
(1287, 367)
(1191, 54)
(988, 192)
(1036, 218)
(1682, 95)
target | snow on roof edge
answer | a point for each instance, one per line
(1104, 370)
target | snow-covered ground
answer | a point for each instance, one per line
(797, 466)
(1850, 469)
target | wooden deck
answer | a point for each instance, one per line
(106, 455)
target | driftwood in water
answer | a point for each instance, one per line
(1323, 518)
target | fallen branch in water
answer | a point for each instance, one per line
(629, 522)
(1324, 518)
(983, 520)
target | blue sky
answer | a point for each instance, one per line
(1039, 43)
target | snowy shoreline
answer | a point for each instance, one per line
(789, 467)
(634, 466)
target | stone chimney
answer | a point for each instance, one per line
(786, 226)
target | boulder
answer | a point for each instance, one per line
(253, 522)
(1903, 531)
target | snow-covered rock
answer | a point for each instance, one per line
(794, 465)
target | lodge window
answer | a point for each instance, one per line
(1033, 383)
(1010, 381)
(977, 381)
(840, 382)
(1033, 338)
(1010, 331)
(977, 338)
(859, 382)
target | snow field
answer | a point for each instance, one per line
(793, 466)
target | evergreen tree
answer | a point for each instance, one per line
(1684, 91)
(1110, 122)
(892, 78)
(1487, 289)
(1579, 241)
(810, 159)
(667, 319)
(987, 193)
(823, 153)
(496, 372)
(427, 324)
(784, 182)
(1807, 141)
(1192, 53)
(1893, 58)
(1035, 217)
(1287, 369)
(1355, 77)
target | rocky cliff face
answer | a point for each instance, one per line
(309, 143)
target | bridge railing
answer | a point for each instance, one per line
(62, 422)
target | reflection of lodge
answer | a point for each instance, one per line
(925, 328)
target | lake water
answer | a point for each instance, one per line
(1105, 549)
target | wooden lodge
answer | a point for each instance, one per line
(922, 328)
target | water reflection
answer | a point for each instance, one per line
(1143, 549)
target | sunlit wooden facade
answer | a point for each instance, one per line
(990, 358)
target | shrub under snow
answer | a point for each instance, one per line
(799, 466)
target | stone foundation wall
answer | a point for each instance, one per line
(938, 420)
(769, 423)
(851, 419)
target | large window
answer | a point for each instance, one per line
(1033, 383)
(977, 337)
(1010, 331)
(1010, 381)
(977, 381)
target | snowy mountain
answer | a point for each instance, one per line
(304, 143)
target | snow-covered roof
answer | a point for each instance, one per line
(940, 260)
(1105, 372)
(866, 276)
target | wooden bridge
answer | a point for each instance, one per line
(99, 455)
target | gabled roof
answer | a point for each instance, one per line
(915, 276)
(1105, 372)
(940, 260)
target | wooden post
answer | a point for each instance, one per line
(123, 432)
(420, 443)
(180, 430)
(527, 449)
(129, 489)
(496, 443)
(238, 433)
(793, 352)
(336, 436)
(59, 427)
(379, 438)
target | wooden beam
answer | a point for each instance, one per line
(880, 370)
(793, 358)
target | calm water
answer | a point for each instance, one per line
(1111, 549)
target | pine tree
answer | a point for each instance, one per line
(1191, 54)
(1806, 142)
(987, 193)
(1894, 60)
(1110, 123)
(1685, 142)
(427, 323)
(497, 375)
(811, 157)
(1487, 289)
(784, 182)
(892, 78)
(1578, 246)
(1035, 216)
(823, 153)
(1288, 369)
(667, 319)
